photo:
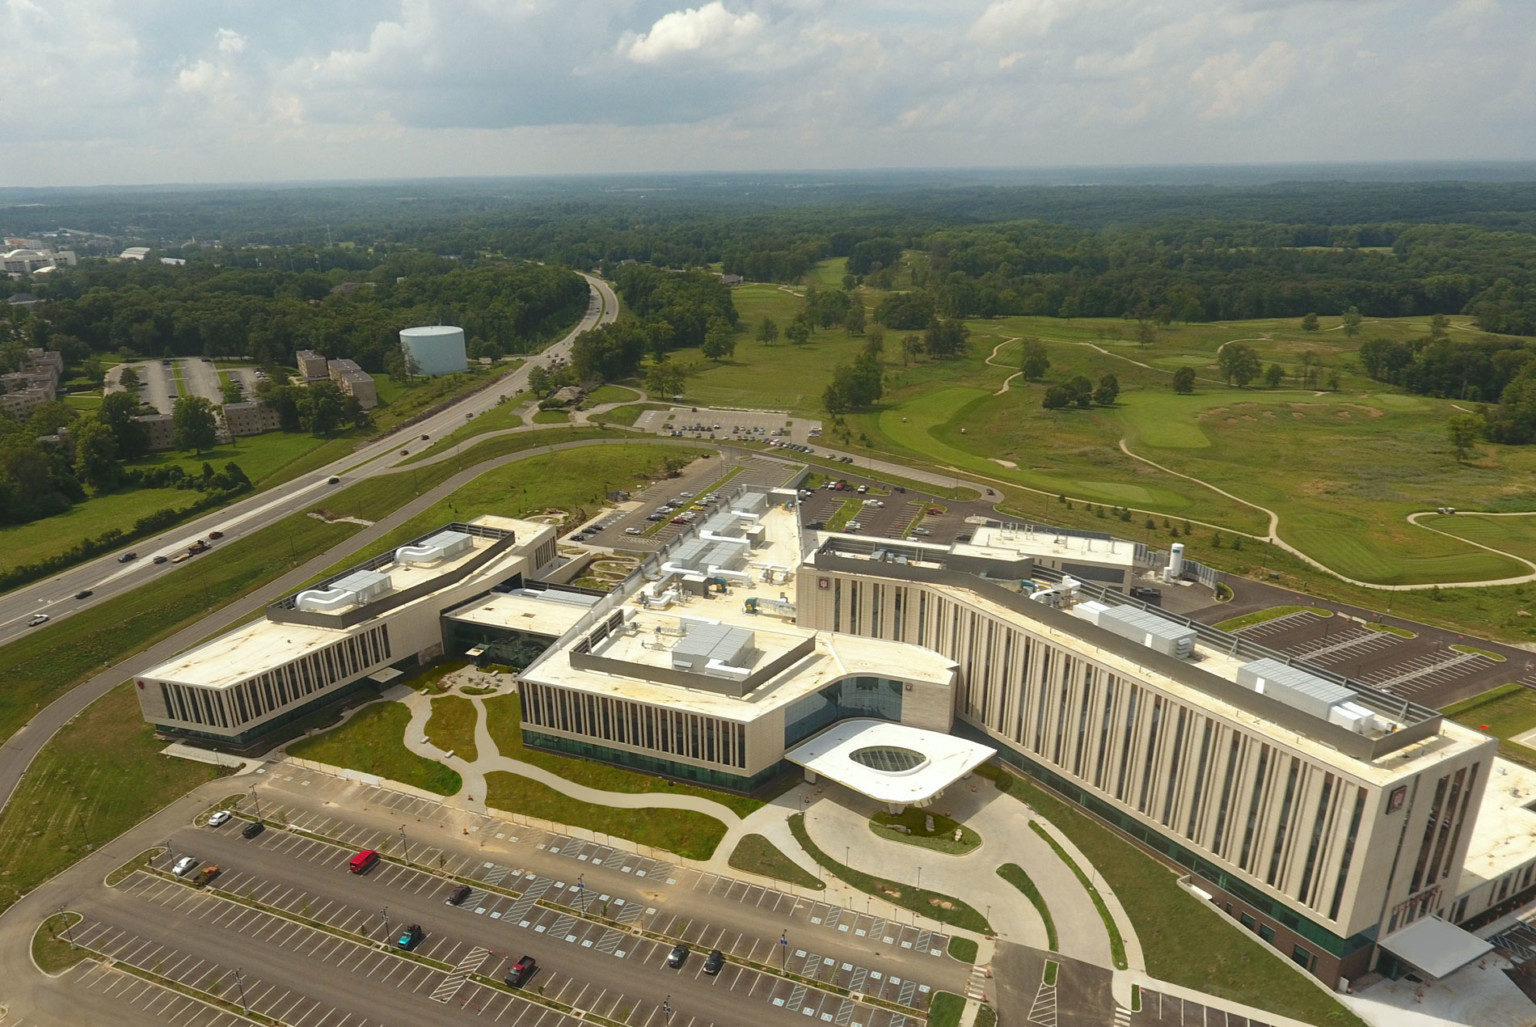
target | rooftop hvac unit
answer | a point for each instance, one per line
(1306, 692)
(1148, 629)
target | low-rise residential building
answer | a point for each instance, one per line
(250, 417)
(34, 383)
(161, 428)
(312, 365)
(354, 381)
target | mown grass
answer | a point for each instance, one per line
(503, 718)
(934, 905)
(940, 839)
(755, 854)
(1504, 712)
(1020, 879)
(1248, 620)
(37, 540)
(1184, 941)
(689, 834)
(1515, 535)
(51, 948)
(611, 394)
(552, 417)
(963, 949)
(101, 774)
(373, 741)
(626, 415)
(1116, 942)
(40, 666)
(945, 1009)
(452, 726)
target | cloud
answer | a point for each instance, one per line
(1234, 88)
(690, 30)
(229, 41)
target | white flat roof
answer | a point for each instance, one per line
(945, 759)
(1046, 543)
(1436, 947)
(1504, 833)
(523, 612)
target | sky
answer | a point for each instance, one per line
(101, 92)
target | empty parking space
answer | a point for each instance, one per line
(153, 1000)
(1177, 1012)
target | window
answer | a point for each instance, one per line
(852, 697)
(1247, 920)
(1267, 933)
(1301, 957)
(1349, 851)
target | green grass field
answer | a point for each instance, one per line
(504, 721)
(452, 726)
(100, 775)
(50, 659)
(373, 741)
(1516, 535)
(689, 834)
(757, 855)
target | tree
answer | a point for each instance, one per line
(1309, 323)
(719, 341)
(911, 346)
(855, 386)
(767, 330)
(1108, 391)
(799, 331)
(538, 380)
(1311, 364)
(195, 424)
(1033, 362)
(1274, 374)
(1463, 430)
(117, 411)
(1081, 390)
(1057, 397)
(1438, 326)
(853, 321)
(1146, 332)
(231, 392)
(400, 364)
(1239, 363)
(664, 378)
(320, 408)
(96, 456)
(1184, 381)
(128, 379)
(947, 338)
(1352, 322)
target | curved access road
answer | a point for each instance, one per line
(105, 577)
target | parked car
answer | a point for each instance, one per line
(524, 968)
(458, 895)
(183, 865)
(205, 875)
(631, 531)
(218, 819)
(410, 934)
(252, 829)
(678, 956)
(1147, 595)
(124, 558)
(715, 961)
(578, 537)
(41, 618)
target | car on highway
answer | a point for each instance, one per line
(126, 557)
(219, 818)
(678, 956)
(715, 961)
(425, 437)
(160, 559)
(252, 829)
(215, 534)
(458, 895)
(41, 618)
(410, 934)
(333, 480)
(84, 593)
(184, 865)
(524, 968)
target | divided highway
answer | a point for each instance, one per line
(104, 577)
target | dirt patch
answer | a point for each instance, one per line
(1269, 414)
(1296, 414)
(1006, 463)
(1344, 414)
(941, 903)
(1210, 413)
(891, 893)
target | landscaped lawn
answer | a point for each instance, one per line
(1183, 940)
(373, 741)
(689, 834)
(1020, 879)
(504, 721)
(1515, 535)
(552, 417)
(940, 839)
(38, 540)
(757, 855)
(1247, 620)
(101, 774)
(452, 726)
(1503, 712)
(611, 394)
(42, 664)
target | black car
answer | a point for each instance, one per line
(84, 593)
(678, 956)
(160, 559)
(252, 829)
(1147, 595)
(715, 961)
(409, 936)
(521, 970)
(126, 557)
(333, 480)
(458, 895)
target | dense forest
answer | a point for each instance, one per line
(267, 303)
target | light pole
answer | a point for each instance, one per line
(784, 948)
(255, 802)
(666, 1008)
(64, 917)
(581, 892)
(240, 983)
(919, 878)
(404, 845)
(81, 821)
(385, 914)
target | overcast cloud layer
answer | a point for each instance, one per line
(197, 91)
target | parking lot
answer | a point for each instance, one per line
(1423, 670)
(889, 512)
(696, 481)
(287, 929)
(730, 425)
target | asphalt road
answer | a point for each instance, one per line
(105, 577)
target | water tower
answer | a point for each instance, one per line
(437, 349)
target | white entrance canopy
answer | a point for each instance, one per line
(1436, 947)
(890, 763)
